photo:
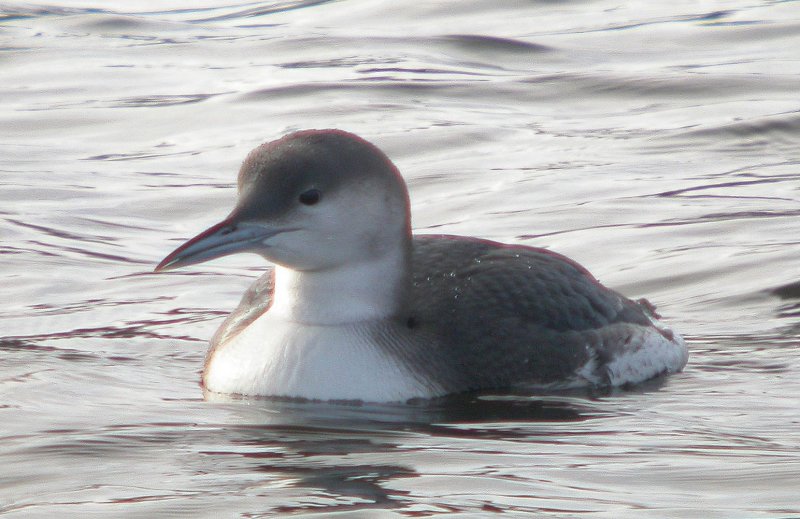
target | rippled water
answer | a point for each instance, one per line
(658, 143)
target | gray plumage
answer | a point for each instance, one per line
(412, 315)
(485, 314)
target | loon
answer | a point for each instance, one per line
(357, 308)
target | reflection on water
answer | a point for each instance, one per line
(656, 144)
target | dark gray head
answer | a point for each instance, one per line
(312, 200)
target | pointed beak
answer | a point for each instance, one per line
(227, 237)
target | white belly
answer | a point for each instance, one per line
(272, 357)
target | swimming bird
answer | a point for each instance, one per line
(358, 308)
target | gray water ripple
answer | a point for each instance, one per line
(655, 144)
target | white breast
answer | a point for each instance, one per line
(274, 357)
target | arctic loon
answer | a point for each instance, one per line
(358, 308)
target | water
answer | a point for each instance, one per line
(655, 143)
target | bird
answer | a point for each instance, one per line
(358, 308)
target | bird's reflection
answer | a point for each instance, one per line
(345, 455)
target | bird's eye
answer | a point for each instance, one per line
(310, 197)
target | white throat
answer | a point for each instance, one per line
(318, 339)
(355, 292)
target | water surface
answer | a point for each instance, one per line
(656, 143)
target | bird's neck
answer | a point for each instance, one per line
(368, 290)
